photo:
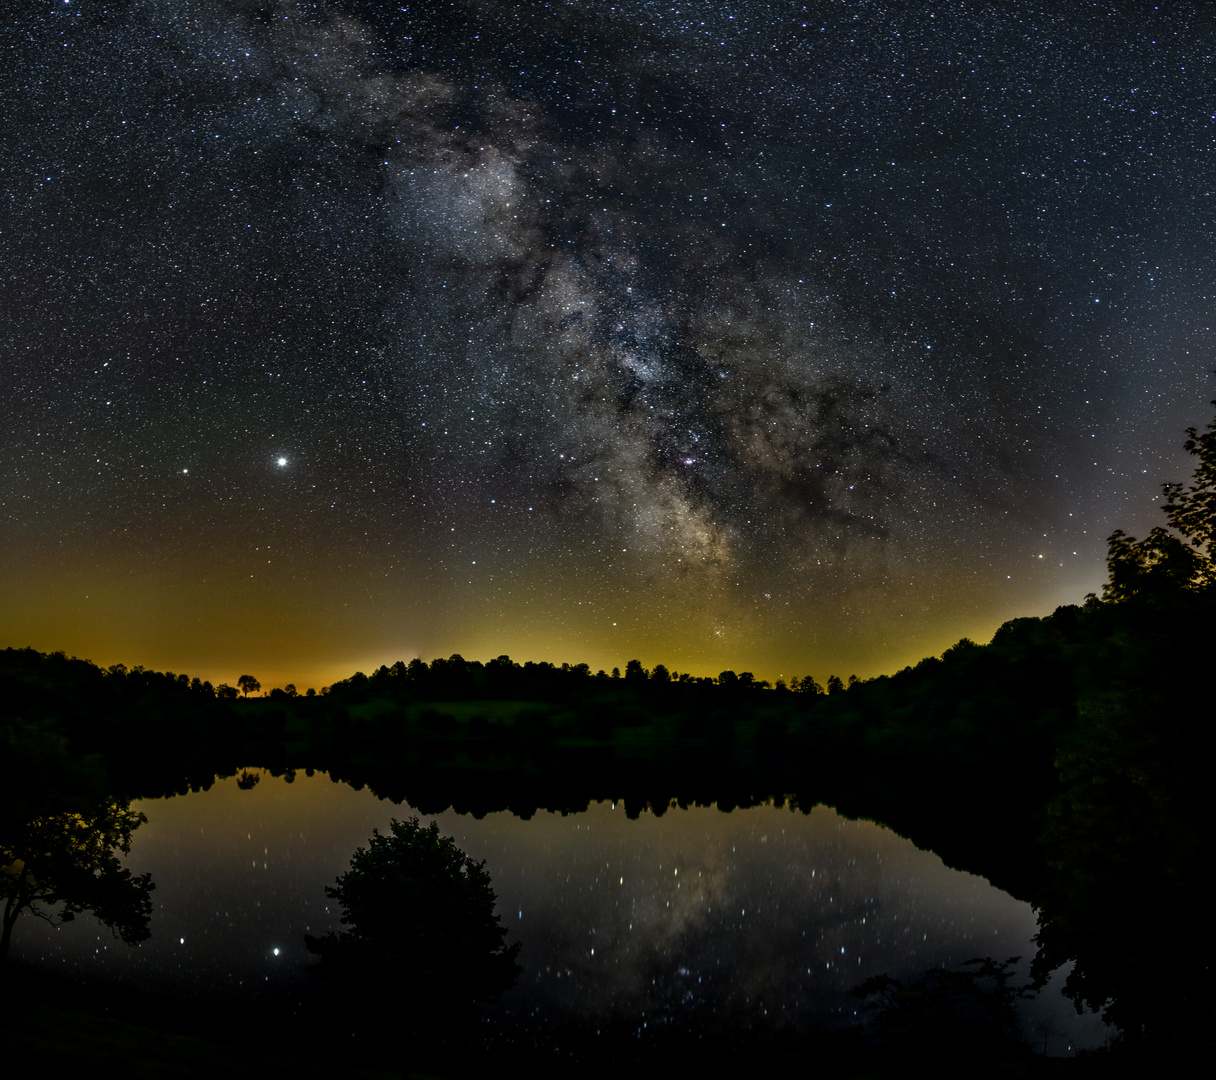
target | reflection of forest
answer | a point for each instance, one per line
(1060, 762)
(1063, 761)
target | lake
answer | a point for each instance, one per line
(762, 918)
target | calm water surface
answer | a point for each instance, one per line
(760, 917)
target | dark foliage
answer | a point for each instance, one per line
(58, 865)
(1065, 760)
(964, 1016)
(421, 932)
(1177, 558)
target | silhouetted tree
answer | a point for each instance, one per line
(248, 685)
(834, 684)
(1192, 510)
(1177, 558)
(59, 865)
(1161, 564)
(634, 672)
(420, 922)
(1129, 839)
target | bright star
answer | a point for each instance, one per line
(282, 461)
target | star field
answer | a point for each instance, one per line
(782, 337)
(694, 919)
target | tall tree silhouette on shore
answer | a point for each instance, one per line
(1176, 557)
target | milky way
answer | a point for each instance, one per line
(779, 337)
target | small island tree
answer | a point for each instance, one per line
(421, 928)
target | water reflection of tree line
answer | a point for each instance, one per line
(1064, 760)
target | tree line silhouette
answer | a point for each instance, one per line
(1066, 760)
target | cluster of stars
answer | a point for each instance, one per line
(671, 306)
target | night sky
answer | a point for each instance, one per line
(779, 337)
